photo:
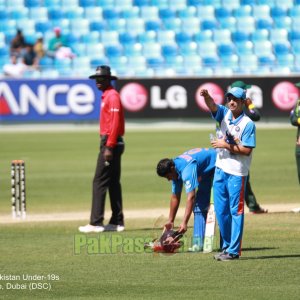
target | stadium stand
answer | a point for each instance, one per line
(145, 37)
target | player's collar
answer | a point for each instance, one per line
(237, 120)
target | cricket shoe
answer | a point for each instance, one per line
(91, 228)
(227, 256)
(216, 256)
(195, 248)
(113, 227)
(259, 211)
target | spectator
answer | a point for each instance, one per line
(64, 52)
(39, 47)
(17, 44)
(14, 69)
(56, 42)
(30, 58)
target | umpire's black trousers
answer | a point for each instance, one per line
(107, 177)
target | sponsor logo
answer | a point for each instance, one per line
(285, 95)
(134, 97)
(187, 184)
(214, 90)
(56, 99)
(186, 157)
(175, 97)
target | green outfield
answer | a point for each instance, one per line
(60, 263)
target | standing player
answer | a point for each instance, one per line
(232, 168)
(295, 121)
(108, 169)
(195, 170)
(253, 113)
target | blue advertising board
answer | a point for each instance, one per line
(49, 100)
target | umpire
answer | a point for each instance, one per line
(108, 169)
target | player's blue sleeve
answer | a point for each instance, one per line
(190, 177)
(220, 113)
(248, 137)
(176, 186)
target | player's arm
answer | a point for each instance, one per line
(295, 115)
(188, 211)
(243, 146)
(115, 109)
(234, 149)
(174, 204)
(209, 101)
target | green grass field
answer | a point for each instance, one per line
(59, 170)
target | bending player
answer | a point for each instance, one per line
(195, 170)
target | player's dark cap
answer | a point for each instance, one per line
(237, 92)
(241, 84)
(297, 84)
(103, 72)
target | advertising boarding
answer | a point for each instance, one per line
(48, 100)
(78, 100)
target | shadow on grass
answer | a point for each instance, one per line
(144, 229)
(259, 249)
(148, 228)
(273, 256)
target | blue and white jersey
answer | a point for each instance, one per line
(191, 167)
(239, 131)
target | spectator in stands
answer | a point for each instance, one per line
(64, 52)
(295, 121)
(17, 44)
(39, 47)
(30, 57)
(58, 47)
(16, 67)
(56, 42)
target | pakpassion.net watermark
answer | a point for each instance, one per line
(116, 243)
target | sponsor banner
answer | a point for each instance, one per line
(180, 98)
(49, 100)
(79, 99)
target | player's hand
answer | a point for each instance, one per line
(218, 143)
(168, 226)
(204, 93)
(108, 154)
(182, 228)
(248, 102)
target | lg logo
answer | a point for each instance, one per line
(135, 97)
(285, 95)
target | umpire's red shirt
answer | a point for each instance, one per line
(111, 116)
